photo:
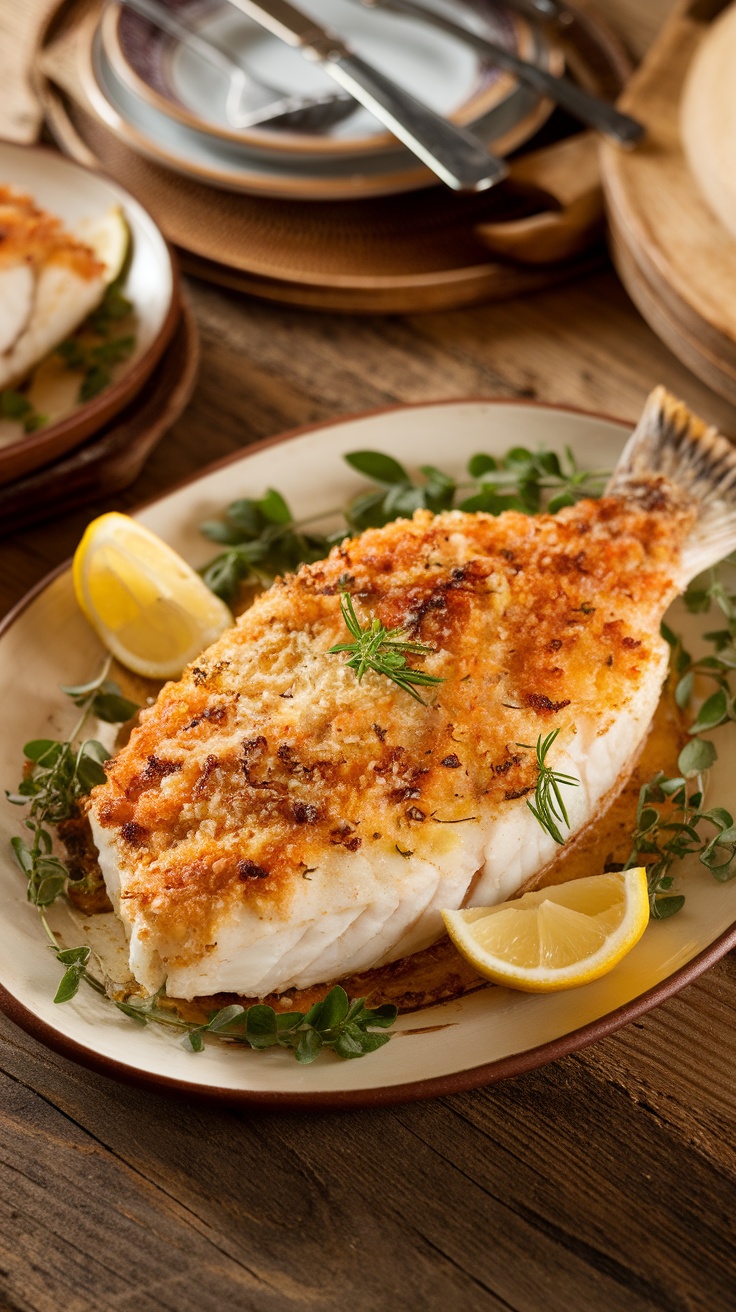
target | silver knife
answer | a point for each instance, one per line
(597, 113)
(456, 156)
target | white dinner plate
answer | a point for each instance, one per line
(456, 1045)
(258, 170)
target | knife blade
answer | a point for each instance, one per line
(589, 109)
(457, 157)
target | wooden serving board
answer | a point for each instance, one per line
(113, 459)
(426, 250)
(675, 258)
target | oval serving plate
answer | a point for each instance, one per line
(460, 84)
(75, 194)
(478, 1039)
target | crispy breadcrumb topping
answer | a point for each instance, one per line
(268, 752)
(30, 235)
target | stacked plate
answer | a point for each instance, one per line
(160, 96)
(89, 437)
(238, 198)
(676, 258)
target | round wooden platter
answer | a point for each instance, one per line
(112, 459)
(675, 258)
(396, 254)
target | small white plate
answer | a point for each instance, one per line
(457, 1045)
(261, 171)
(76, 194)
(449, 75)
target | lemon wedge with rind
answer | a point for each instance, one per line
(148, 607)
(558, 937)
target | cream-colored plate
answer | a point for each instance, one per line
(76, 195)
(483, 1037)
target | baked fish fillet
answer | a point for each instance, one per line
(273, 822)
(50, 280)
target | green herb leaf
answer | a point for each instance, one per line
(308, 1047)
(712, 713)
(13, 405)
(378, 466)
(696, 756)
(261, 1030)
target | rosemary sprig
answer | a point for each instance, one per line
(56, 775)
(550, 807)
(380, 649)
(262, 539)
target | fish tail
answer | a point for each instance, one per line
(672, 461)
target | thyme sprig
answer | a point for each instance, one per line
(548, 806)
(262, 539)
(670, 824)
(345, 1026)
(378, 648)
(56, 775)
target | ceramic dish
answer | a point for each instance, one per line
(452, 78)
(485, 1036)
(74, 194)
(233, 167)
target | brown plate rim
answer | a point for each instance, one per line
(387, 1095)
(49, 443)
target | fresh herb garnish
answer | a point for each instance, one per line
(345, 1026)
(669, 822)
(95, 360)
(57, 775)
(337, 1023)
(669, 826)
(15, 405)
(549, 807)
(380, 649)
(262, 538)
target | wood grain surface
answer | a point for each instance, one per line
(603, 1182)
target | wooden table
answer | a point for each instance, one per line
(603, 1182)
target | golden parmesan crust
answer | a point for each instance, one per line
(29, 235)
(268, 752)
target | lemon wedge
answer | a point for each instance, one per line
(558, 937)
(145, 603)
(110, 238)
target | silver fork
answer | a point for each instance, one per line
(589, 109)
(250, 102)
